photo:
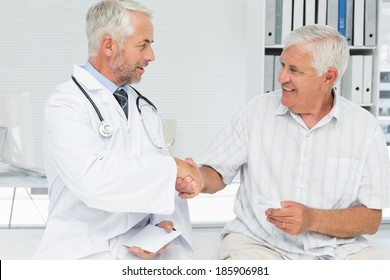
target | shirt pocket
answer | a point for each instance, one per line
(341, 181)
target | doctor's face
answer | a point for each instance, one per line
(129, 63)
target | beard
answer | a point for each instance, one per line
(124, 72)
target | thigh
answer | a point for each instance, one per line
(237, 246)
(368, 253)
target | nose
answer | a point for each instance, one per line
(149, 55)
(283, 76)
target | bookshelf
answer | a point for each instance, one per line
(362, 43)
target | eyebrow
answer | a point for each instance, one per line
(148, 41)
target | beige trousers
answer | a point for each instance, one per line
(236, 246)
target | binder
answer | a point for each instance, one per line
(349, 22)
(270, 22)
(298, 13)
(321, 12)
(268, 73)
(287, 18)
(277, 67)
(332, 18)
(342, 15)
(352, 83)
(367, 79)
(310, 12)
(370, 23)
(278, 21)
(358, 25)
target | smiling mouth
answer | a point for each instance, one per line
(288, 89)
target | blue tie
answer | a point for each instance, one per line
(121, 96)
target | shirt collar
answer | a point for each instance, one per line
(102, 79)
(334, 113)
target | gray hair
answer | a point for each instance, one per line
(327, 47)
(111, 17)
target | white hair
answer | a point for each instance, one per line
(327, 47)
(111, 17)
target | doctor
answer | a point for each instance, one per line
(108, 182)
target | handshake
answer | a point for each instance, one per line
(190, 181)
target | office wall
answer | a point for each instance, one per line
(198, 77)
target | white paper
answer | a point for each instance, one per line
(151, 238)
(261, 205)
(266, 203)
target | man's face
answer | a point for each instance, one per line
(129, 64)
(301, 87)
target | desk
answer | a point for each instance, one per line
(10, 178)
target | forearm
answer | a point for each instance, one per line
(212, 180)
(345, 223)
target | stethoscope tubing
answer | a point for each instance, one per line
(105, 129)
(89, 99)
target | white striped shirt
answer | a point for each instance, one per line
(342, 161)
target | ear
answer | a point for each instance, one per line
(108, 46)
(331, 76)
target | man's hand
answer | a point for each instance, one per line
(189, 182)
(292, 218)
(168, 226)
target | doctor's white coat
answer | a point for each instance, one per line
(103, 190)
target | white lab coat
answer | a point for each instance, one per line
(102, 190)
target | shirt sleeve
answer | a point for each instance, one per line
(374, 190)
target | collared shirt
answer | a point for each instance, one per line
(112, 87)
(342, 161)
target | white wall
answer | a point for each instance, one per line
(198, 78)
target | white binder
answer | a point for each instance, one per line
(358, 23)
(278, 21)
(270, 22)
(298, 13)
(287, 18)
(268, 73)
(370, 23)
(333, 14)
(321, 14)
(310, 12)
(367, 79)
(277, 67)
(349, 22)
(352, 82)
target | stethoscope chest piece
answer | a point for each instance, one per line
(105, 129)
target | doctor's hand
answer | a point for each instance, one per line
(189, 181)
(168, 226)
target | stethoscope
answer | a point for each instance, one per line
(105, 128)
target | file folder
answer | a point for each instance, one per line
(358, 23)
(270, 22)
(287, 18)
(370, 23)
(298, 13)
(268, 73)
(367, 79)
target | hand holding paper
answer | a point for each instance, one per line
(150, 240)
